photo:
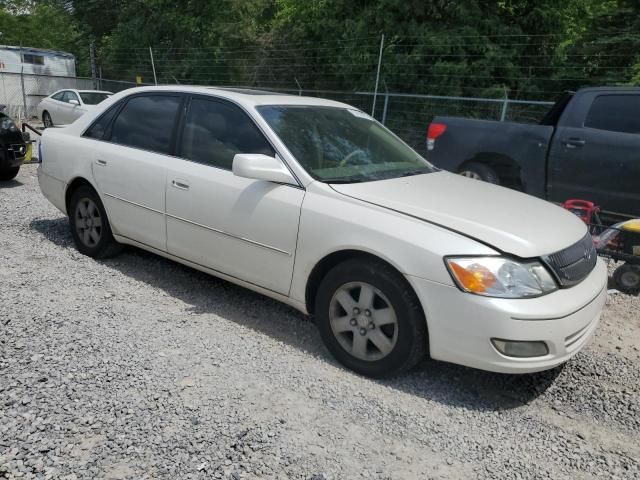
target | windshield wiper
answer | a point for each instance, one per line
(344, 180)
(411, 173)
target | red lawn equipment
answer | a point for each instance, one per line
(620, 242)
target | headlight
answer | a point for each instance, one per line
(500, 277)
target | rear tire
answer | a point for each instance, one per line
(627, 278)
(46, 120)
(480, 171)
(90, 227)
(7, 174)
(381, 333)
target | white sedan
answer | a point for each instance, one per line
(314, 203)
(66, 106)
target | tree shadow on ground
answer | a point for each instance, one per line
(438, 381)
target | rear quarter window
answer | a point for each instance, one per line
(99, 128)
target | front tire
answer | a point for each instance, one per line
(7, 174)
(480, 171)
(90, 227)
(370, 319)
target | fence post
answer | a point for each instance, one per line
(384, 110)
(92, 56)
(153, 66)
(24, 95)
(505, 106)
(299, 87)
(375, 92)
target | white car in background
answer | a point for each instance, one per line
(314, 203)
(65, 106)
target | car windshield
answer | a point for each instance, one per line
(93, 98)
(340, 145)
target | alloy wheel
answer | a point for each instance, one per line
(363, 321)
(88, 222)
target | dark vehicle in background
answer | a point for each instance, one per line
(13, 148)
(587, 147)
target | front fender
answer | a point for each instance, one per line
(331, 222)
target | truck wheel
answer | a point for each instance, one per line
(627, 278)
(90, 227)
(480, 171)
(9, 173)
(370, 319)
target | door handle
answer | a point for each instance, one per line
(180, 184)
(101, 162)
(574, 142)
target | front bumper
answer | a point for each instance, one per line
(461, 324)
(12, 155)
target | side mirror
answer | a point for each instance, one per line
(262, 167)
(26, 136)
(74, 102)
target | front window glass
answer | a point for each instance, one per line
(93, 98)
(339, 145)
(214, 132)
(615, 113)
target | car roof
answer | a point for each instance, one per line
(244, 96)
(81, 91)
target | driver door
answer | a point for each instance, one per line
(244, 228)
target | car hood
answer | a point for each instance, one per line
(510, 221)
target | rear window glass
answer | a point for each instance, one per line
(615, 113)
(147, 122)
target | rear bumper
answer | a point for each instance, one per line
(461, 325)
(53, 189)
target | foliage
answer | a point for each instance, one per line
(519, 48)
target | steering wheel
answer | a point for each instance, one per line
(351, 156)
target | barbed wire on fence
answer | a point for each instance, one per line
(416, 78)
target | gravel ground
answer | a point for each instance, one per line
(137, 367)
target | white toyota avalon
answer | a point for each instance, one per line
(314, 203)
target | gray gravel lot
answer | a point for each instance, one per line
(137, 367)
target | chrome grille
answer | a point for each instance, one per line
(574, 263)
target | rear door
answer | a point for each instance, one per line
(595, 154)
(130, 165)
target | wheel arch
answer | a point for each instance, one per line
(507, 168)
(324, 265)
(72, 186)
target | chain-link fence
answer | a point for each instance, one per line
(406, 114)
(404, 82)
(21, 93)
